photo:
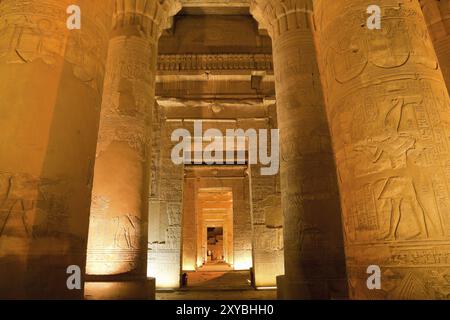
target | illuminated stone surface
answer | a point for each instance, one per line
(387, 106)
(381, 94)
(437, 16)
(208, 75)
(51, 87)
(313, 247)
(118, 222)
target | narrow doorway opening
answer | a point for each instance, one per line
(214, 246)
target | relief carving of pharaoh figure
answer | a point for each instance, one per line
(403, 198)
(127, 232)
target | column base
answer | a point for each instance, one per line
(119, 288)
(280, 287)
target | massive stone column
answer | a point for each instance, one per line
(118, 224)
(313, 247)
(50, 87)
(388, 110)
(437, 16)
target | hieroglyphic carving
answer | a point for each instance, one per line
(173, 62)
(388, 110)
(123, 136)
(124, 140)
(174, 214)
(128, 97)
(36, 30)
(30, 208)
(307, 174)
(116, 248)
(127, 231)
(268, 239)
(164, 254)
(51, 87)
(156, 153)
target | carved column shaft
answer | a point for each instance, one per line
(313, 247)
(50, 88)
(119, 213)
(388, 110)
(437, 16)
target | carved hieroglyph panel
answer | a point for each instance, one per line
(388, 109)
(36, 30)
(32, 207)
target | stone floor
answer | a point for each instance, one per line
(207, 283)
(220, 280)
(249, 294)
(215, 266)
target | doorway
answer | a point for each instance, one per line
(216, 213)
(214, 246)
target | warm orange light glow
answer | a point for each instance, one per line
(166, 278)
(242, 263)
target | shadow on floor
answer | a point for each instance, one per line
(249, 294)
(218, 280)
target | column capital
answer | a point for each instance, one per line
(279, 16)
(146, 17)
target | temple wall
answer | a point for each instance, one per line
(267, 221)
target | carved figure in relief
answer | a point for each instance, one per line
(395, 116)
(352, 60)
(126, 231)
(387, 49)
(16, 220)
(405, 192)
(29, 209)
(394, 147)
(400, 190)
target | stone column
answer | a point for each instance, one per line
(388, 110)
(437, 16)
(118, 223)
(190, 227)
(50, 88)
(313, 247)
(242, 224)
